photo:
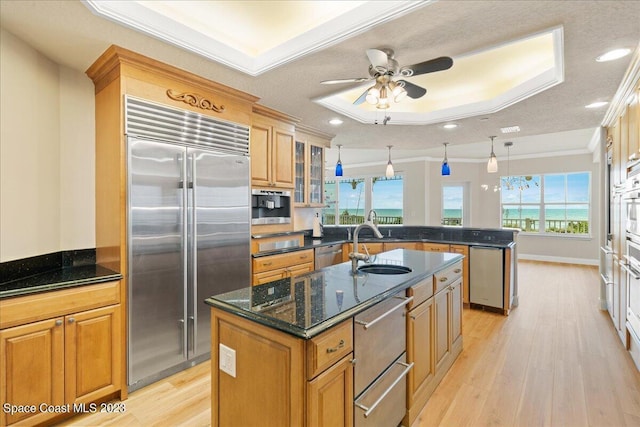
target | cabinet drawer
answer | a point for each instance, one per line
(45, 305)
(271, 262)
(420, 292)
(445, 277)
(329, 347)
(268, 276)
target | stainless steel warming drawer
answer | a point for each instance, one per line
(380, 372)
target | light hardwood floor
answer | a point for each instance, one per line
(555, 361)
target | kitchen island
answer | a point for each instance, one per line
(285, 351)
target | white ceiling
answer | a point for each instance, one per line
(68, 33)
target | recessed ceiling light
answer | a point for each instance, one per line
(510, 129)
(596, 104)
(335, 122)
(613, 54)
(450, 126)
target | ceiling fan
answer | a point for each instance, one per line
(383, 69)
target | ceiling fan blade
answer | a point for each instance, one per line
(338, 81)
(431, 66)
(378, 58)
(362, 98)
(413, 91)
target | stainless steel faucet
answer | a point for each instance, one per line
(355, 256)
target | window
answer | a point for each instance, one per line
(349, 200)
(552, 203)
(452, 204)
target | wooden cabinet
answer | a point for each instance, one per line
(435, 247)
(288, 381)
(416, 246)
(464, 250)
(421, 379)
(309, 166)
(272, 145)
(330, 396)
(32, 368)
(74, 356)
(372, 247)
(434, 335)
(633, 114)
(274, 267)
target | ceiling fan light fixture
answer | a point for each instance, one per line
(399, 93)
(383, 102)
(373, 95)
(492, 164)
(389, 173)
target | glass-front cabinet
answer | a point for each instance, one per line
(309, 169)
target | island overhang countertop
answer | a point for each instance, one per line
(307, 305)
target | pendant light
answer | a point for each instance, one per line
(339, 163)
(446, 170)
(389, 173)
(492, 165)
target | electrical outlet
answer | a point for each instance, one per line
(227, 360)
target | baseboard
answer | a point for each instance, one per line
(562, 260)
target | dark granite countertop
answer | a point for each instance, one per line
(307, 305)
(64, 277)
(502, 238)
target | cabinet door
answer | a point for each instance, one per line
(442, 343)
(260, 154)
(463, 250)
(283, 146)
(419, 347)
(456, 312)
(634, 128)
(316, 175)
(92, 354)
(300, 191)
(330, 396)
(32, 370)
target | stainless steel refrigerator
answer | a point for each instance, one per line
(189, 232)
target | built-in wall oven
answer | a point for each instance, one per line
(631, 263)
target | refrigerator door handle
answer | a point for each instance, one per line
(192, 334)
(185, 245)
(182, 337)
(194, 256)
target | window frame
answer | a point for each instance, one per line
(542, 205)
(368, 196)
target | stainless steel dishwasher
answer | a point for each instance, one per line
(328, 255)
(486, 276)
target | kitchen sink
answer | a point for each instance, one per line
(384, 269)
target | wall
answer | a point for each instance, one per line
(46, 154)
(423, 178)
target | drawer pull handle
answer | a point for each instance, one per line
(304, 256)
(58, 322)
(457, 270)
(367, 325)
(71, 320)
(443, 279)
(266, 264)
(369, 410)
(336, 348)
